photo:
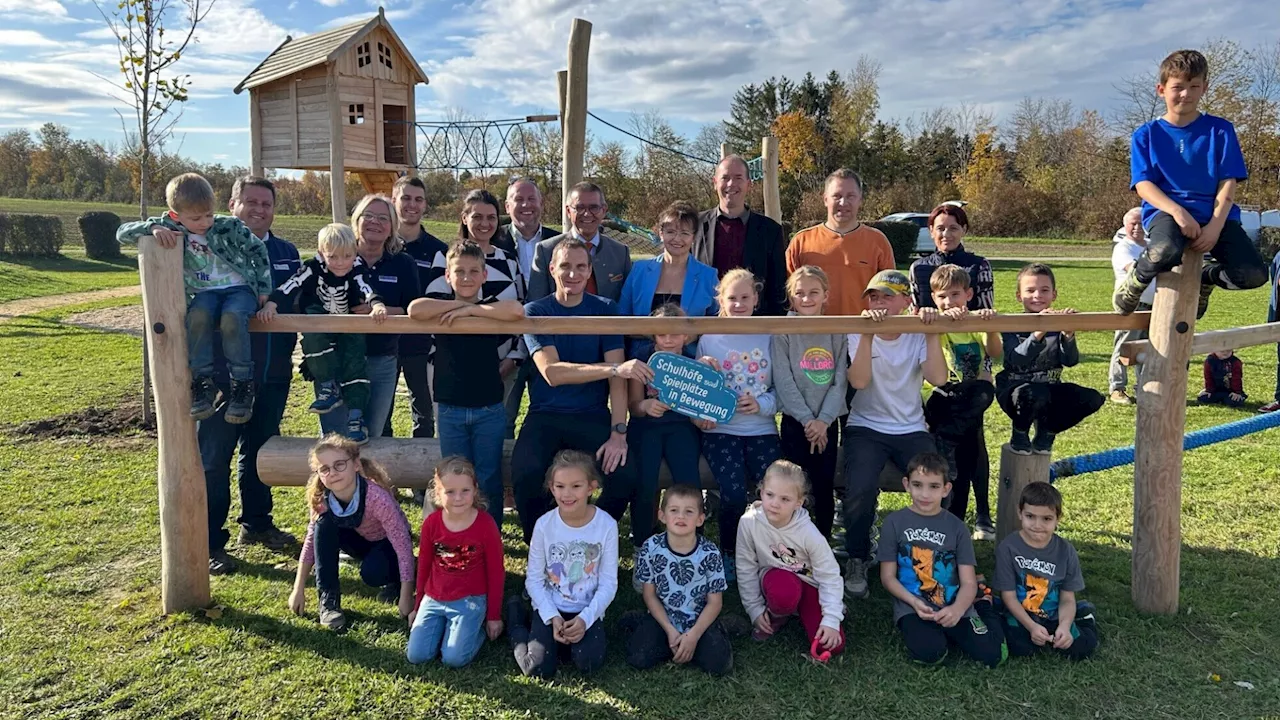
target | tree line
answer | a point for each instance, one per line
(1047, 169)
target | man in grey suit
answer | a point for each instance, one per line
(610, 259)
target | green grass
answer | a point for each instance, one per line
(72, 272)
(81, 635)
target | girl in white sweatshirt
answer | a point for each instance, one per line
(785, 566)
(739, 451)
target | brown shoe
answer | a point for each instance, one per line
(1120, 397)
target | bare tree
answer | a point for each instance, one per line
(150, 86)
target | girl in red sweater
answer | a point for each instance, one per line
(460, 571)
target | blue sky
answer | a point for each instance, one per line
(497, 58)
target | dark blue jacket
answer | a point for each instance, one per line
(423, 249)
(272, 352)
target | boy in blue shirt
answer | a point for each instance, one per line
(1185, 166)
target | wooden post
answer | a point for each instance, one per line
(724, 150)
(772, 196)
(184, 520)
(411, 140)
(255, 132)
(575, 110)
(337, 170)
(562, 87)
(1162, 412)
(1016, 472)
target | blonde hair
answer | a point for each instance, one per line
(730, 278)
(455, 465)
(336, 236)
(949, 276)
(807, 271)
(573, 460)
(189, 192)
(787, 471)
(394, 243)
(370, 469)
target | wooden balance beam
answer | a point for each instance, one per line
(282, 462)
(1134, 352)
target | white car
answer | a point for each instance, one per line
(924, 241)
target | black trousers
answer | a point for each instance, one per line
(545, 434)
(647, 647)
(538, 654)
(1235, 264)
(679, 443)
(954, 413)
(414, 368)
(1019, 640)
(981, 638)
(379, 565)
(1051, 407)
(820, 467)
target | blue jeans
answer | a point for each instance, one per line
(476, 434)
(383, 372)
(218, 439)
(455, 629)
(225, 311)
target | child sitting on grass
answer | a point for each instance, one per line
(1223, 379)
(227, 275)
(1038, 576)
(460, 571)
(927, 565)
(572, 575)
(1030, 388)
(333, 283)
(353, 510)
(682, 575)
(786, 567)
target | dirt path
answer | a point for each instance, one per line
(27, 306)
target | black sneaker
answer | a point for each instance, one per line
(1202, 305)
(204, 398)
(220, 563)
(240, 407)
(273, 538)
(1020, 443)
(390, 593)
(984, 529)
(1043, 444)
(1129, 294)
(737, 626)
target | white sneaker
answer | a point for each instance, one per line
(855, 578)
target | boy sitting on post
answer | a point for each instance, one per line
(1030, 388)
(332, 283)
(1185, 166)
(227, 275)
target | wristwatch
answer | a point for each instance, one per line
(613, 371)
(620, 428)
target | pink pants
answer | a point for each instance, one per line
(785, 594)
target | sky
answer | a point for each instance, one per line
(497, 58)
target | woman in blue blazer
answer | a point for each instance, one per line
(672, 277)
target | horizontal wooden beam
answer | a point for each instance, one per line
(282, 462)
(644, 325)
(1211, 341)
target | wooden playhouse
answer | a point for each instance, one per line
(339, 101)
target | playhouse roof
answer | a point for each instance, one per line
(310, 50)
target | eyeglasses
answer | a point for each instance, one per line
(337, 467)
(370, 217)
(583, 209)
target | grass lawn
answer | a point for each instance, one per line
(73, 272)
(81, 635)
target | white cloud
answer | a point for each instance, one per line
(331, 3)
(25, 38)
(42, 8)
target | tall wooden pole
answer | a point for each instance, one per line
(255, 132)
(337, 167)
(724, 150)
(562, 88)
(1162, 412)
(575, 110)
(772, 196)
(184, 520)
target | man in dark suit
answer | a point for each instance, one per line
(730, 236)
(610, 259)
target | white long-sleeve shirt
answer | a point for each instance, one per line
(573, 570)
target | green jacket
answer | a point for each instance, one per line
(228, 239)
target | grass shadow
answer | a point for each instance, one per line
(64, 263)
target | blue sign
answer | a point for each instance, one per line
(692, 388)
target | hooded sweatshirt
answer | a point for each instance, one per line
(811, 375)
(796, 547)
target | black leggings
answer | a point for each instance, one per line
(981, 637)
(538, 653)
(954, 413)
(648, 648)
(1236, 264)
(1051, 407)
(1019, 640)
(820, 467)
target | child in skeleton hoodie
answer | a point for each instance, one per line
(333, 283)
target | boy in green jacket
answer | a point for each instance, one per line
(227, 276)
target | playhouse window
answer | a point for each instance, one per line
(355, 114)
(384, 55)
(362, 54)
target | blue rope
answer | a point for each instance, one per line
(1117, 457)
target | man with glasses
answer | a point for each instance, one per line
(410, 197)
(731, 236)
(610, 259)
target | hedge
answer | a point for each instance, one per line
(1268, 242)
(99, 232)
(30, 235)
(902, 238)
